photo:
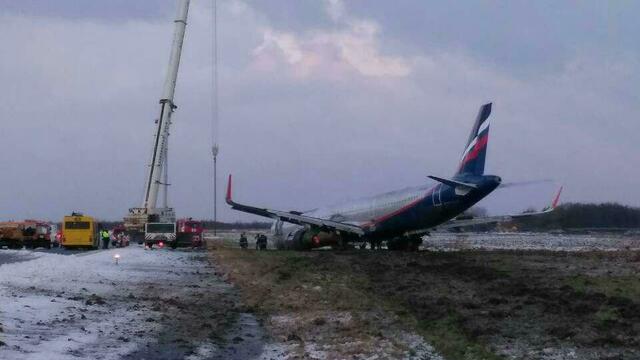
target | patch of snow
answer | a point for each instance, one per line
(420, 349)
(274, 351)
(204, 351)
(81, 305)
(530, 241)
(311, 350)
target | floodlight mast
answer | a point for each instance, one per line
(214, 151)
(149, 212)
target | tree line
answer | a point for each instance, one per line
(584, 216)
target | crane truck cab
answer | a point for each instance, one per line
(80, 231)
(160, 234)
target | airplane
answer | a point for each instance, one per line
(399, 218)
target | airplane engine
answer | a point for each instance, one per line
(307, 239)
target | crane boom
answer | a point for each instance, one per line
(167, 107)
(149, 212)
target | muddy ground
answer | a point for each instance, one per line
(469, 304)
(200, 317)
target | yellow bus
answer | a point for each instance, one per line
(79, 231)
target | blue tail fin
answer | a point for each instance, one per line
(475, 152)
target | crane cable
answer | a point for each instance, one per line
(214, 75)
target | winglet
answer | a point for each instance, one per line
(556, 200)
(228, 197)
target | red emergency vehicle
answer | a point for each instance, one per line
(189, 233)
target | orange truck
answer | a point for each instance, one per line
(29, 233)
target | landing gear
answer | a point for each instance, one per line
(414, 243)
(375, 244)
(342, 246)
(404, 243)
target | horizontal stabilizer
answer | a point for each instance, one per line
(454, 183)
(460, 223)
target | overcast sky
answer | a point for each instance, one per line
(320, 101)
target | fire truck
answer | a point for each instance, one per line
(190, 233)
(39, 234)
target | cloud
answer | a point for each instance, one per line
(330, 54)
(336, 10)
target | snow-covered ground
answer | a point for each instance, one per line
(55, 306)
(530, 241)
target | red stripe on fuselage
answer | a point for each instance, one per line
(401, 210)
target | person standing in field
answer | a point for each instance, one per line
(104, 234)
(261, 243)
(243, 241)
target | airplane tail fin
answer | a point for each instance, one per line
(556, 200)
(475, 152)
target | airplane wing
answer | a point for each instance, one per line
(458, 223)
(294, 217)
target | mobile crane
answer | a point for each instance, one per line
(150, 223)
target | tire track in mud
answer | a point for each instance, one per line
(202, 320)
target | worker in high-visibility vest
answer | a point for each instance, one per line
(104, 234)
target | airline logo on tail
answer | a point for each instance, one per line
(473, 157)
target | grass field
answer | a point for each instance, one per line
(468, 305)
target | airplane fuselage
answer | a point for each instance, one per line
(403, 213)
